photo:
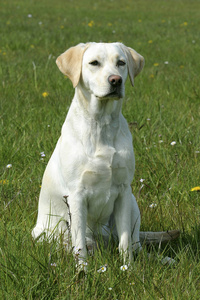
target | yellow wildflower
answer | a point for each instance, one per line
(195, 189)
(45, 94)
(151, 76)
(156, 65)
(4, 181)
(150, 41)
(91, 23)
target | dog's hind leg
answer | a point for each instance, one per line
(135, 225)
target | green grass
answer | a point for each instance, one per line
(167, 94)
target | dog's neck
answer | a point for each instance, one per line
(104, 111)
(100, 120)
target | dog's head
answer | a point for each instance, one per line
(101, 67)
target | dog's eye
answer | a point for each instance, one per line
(94, 63)
(120, 63)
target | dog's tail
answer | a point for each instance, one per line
(149, 237)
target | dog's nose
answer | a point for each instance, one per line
(115, 80)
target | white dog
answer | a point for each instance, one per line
(93, 164)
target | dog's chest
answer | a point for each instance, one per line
(103, 180)
(108, 168)
(108, 155)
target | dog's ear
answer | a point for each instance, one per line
(135, 62)
(70, 62)
(138, 61)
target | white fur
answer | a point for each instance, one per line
(93, 162)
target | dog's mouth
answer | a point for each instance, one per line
(117, 94)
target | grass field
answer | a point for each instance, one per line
(163, 107)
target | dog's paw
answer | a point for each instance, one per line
(81, 268)
(168, 261)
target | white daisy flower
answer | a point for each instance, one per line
(102, 269)
(9, 166)
(173, 143)
(152, 205)
(124, 268)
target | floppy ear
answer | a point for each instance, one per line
(135, 62)
(70, 62)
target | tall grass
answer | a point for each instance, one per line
(162, 108)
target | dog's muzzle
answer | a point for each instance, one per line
(115, 82)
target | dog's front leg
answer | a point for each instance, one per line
(78, 213)
(122, 214)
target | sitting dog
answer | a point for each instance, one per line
(86, 187)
